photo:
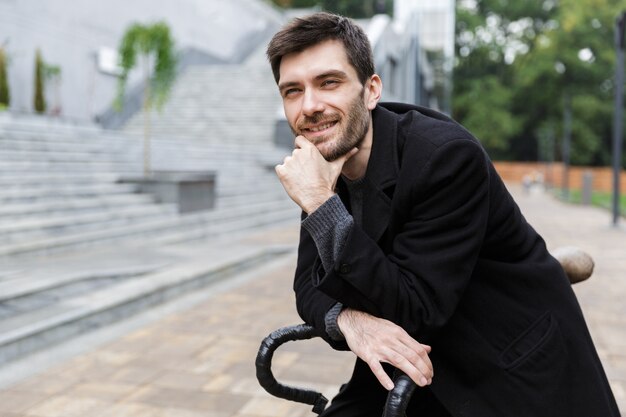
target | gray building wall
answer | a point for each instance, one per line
(69, 34)
(400, 60)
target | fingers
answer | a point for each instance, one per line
(412, 354)
(419, 370)
(350, 154)
(380, 374)
(281, 169)
(340, 162)
(417, 354)
(301, 142)
(377, 340)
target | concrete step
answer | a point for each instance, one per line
(232, 200)
(74, 205)
(102, 148)
(22, 284)
(50, 141)
(55, 156)
(238, 224)
(34, 194)
(43, 226)
(55, 314)
(175, 229)
(14, 122)
(78, 167)
(205, 103)
(39, 179)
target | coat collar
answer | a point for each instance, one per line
(381, 174)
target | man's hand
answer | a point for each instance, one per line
(307, 177)
(376, 340)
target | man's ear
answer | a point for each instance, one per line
(374, 87)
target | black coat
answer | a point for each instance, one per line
(445, 253)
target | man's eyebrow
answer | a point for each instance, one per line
(327, 74)
(287, 84)
(332, 73)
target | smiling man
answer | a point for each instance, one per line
(413, 254)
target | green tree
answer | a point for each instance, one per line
(538, 52)
(5, 96)
(485, 109)
(573, 56)
(153, 43)
(39, 99)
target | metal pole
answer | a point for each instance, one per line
(551, 152)
(620, 23)
(567, 139)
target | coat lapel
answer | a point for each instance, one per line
(381, 174)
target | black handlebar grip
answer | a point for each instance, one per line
(399, 397)
(264, 365)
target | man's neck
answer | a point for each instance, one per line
(356, 166)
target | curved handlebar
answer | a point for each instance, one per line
(264, 364)
(397, 400)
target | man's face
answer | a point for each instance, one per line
(323, 98)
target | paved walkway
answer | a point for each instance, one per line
(196, 359)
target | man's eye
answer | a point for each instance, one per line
(329, 83)
(290, 92)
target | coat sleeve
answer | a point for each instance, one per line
(420, 281)
(311, 303)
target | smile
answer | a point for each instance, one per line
(320, 128)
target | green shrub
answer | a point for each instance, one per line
(5, 96)
(40, 100)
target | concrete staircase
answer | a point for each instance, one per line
(225, 104)
(79, 249)
(59, 189)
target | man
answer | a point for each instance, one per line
(408, 235)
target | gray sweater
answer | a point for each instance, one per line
(329, 227)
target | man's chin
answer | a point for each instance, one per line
(328, 152)
(333, 154)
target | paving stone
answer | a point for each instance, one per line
(46, 384)
(15, 401)
(134, 374)
(220, 382)
(271, 407)
(180, 380)
(102, 390)
(193, 400)
(66, 406)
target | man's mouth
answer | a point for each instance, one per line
(319, 128)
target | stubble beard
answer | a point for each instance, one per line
(351, 135)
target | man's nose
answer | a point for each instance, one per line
(311, 103)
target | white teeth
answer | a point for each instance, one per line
(322, 127)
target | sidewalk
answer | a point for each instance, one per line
(195, 357)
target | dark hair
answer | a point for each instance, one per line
(304, 32)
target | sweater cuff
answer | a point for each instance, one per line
(326, 218)
(330, 321)
(329, 227)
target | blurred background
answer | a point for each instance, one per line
(138, 140)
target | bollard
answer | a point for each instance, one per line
(587, 187)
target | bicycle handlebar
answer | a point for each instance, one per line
(264, 367)
(397, 399)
